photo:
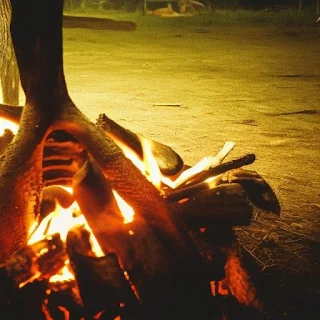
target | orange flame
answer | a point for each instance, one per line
(62, 220)
(7, 124)
(152, 171)
(126, 210)
(148, 166)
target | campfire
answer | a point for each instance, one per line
(98, 222)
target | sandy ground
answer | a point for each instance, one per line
(259, 87)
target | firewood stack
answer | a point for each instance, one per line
(178, 256)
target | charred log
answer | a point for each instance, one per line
(40, 260)
(187, 192)
(140, 245)
(169, 162)
(225, 204)
(108, 289)
(259, 191)
(25, 302)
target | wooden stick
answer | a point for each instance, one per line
(189, 191)
(202, 165)
(219, 169)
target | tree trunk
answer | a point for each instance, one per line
(9, 76)
(10, 81)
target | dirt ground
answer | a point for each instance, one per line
(193, 88)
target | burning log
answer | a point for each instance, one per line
(224, 204)
(189, 191)
(169, 162)
(108, 289)
(132, 242)
(40, 260)
(95, 198)
(259, 191)
(202, 165)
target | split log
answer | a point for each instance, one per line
(140, 246)
(108, 289)
(169, 162)
(225, 204)
(259, 191)
(40, 260)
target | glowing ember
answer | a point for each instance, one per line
(63, 275)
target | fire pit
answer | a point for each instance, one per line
(99, 222)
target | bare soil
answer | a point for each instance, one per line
(193, 88)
